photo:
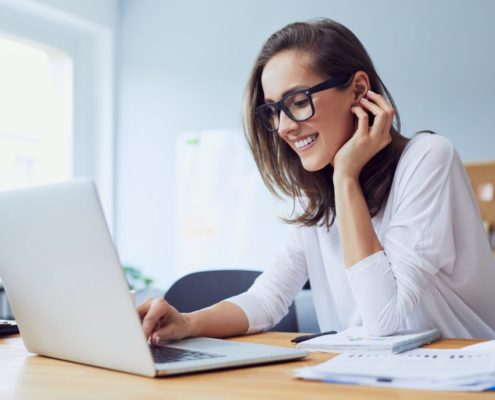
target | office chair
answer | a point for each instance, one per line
(205, 288)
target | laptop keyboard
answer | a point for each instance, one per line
(164, 354)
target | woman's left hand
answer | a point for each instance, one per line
(367, 141)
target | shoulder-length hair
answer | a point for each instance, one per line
(334, 50)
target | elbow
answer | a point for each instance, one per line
(384, 324)
(379, 330)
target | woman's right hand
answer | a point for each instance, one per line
(161, 321)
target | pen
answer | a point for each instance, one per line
(303, 338)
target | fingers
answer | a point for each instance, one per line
(380, 100)
(363, 119)
(383, 111)
(167, 331)
(155, 316)
(143, 308)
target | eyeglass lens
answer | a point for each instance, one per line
(297, 106)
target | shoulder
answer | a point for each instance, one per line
(426, 152)
(431, 146)
(426, 161)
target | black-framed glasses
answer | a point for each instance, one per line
(297, 105)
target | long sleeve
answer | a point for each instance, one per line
(269, 298)
(417, 244)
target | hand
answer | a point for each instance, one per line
(367, 141)
(161, 321)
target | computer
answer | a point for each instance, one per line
(70, 297)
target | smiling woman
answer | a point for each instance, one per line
(290, 61)
(389, 234)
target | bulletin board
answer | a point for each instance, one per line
(482, 176)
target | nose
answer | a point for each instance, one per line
(286, 125)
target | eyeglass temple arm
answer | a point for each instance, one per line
(337, 80)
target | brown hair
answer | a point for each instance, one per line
(334, 50)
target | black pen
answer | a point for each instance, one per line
(303, 338)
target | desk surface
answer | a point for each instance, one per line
(26, 376)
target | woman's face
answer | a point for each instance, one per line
(331, 125)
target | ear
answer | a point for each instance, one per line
(360, 85)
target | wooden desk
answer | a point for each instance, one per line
(26, 376)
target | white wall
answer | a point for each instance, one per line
(182, 66)
(102, 12)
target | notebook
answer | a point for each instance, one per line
(356, 339)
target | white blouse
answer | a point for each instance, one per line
(436, 269)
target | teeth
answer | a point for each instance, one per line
(305, 142)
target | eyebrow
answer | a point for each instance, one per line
(288, 91)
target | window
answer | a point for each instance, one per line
(88, 50)
(36, 123)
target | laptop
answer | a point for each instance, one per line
(70, 297)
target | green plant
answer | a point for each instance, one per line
(135, 278)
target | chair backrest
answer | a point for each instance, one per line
(205, 288)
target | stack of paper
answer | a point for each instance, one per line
(483, 346)
(355, 339)
(430, 369)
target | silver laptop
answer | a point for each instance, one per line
(70, 297)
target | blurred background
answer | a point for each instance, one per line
(145, 97)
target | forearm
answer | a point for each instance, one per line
(223, 319)
(357, 236)
(359, 241)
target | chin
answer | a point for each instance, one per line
(314, 167)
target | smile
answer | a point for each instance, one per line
(302, 144)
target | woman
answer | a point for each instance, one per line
(389, 234)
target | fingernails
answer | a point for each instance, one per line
(157, 339)
(371, 92)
